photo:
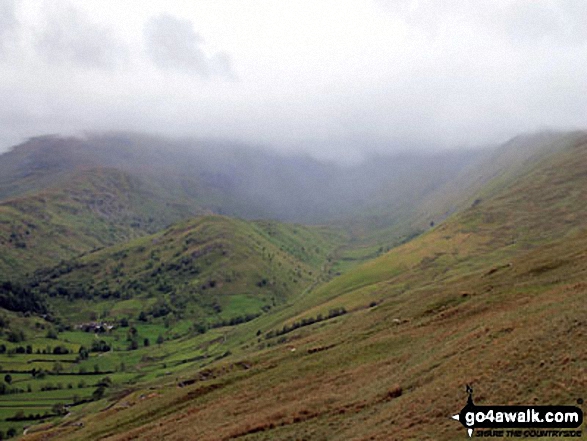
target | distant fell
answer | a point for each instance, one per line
(61, 196)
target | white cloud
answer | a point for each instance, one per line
(334, 77)
(8, 25)
(69, 35)
(173, 43)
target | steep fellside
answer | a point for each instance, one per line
(211, 269)
(233, 179)
(92, 208)
(489, 174)
(495, 297)
(62, 196)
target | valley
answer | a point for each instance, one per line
(135, 308)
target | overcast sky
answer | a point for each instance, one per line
(333, 77)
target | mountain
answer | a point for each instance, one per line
(92, 208)
(217, 328)
(62, 196)
(494, 297)
(210, 269)
(492, 171)
(232, 179)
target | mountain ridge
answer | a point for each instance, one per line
(369, 343)
(149, 183)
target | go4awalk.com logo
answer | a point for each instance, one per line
(520, 421)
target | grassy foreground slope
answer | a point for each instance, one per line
(494, 297)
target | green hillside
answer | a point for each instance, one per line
(60, 197)
(494, 297)
(219, 328)
(210, 269)
(492, 171)
(141, 310)
(91, 209)
(234, 179)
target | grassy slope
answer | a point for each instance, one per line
(237, 255)
(63, 196)
(212, 177)
(492, 171)
(90, 209)
(238, 266)
(495, 297)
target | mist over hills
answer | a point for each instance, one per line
(493, 296)
(419, 261)
(278, 221)
(61, 196)
(233, 179)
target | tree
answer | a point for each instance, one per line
(83, 353)
(105, 382)
(199, 328)
(146, 342)
(8, 378)
(16, 336)
(160, 339)
(60, 350)
(59, 409)
(132, 333)
(98, 393)
(100, 346)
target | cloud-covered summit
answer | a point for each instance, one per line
(334, 78)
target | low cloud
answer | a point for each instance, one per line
(172, 43)
(8, 25)
(70, 36)
(336, 77)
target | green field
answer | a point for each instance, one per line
(223, 328)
